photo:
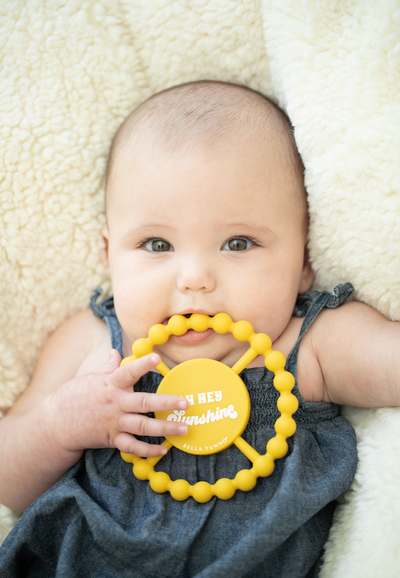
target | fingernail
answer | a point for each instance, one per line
(183, 429)
(182, 404)
(163, 450)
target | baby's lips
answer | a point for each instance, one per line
(192, 336)
(188, 314)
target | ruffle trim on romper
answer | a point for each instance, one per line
(338, 296)
(106, 312)
(103, 309)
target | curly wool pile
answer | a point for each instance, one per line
(71, 71)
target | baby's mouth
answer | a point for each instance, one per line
(187, 315)
(191, 336)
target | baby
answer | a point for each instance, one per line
(206, 212)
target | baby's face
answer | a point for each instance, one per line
(206, 231)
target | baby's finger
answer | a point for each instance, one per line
(140, 402)
(130, 445)
(112, 363)
(127, 375)
(142, 425)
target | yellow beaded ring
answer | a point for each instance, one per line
(219, 407)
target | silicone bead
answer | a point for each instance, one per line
(224, 489)
(264, 466)
(180, 490)
(142, 469)
(141, 347)
(245, 480)
(159, 482)
(158, 334)
(243, 330)
(130, 458)
(202, 492)
(274, 361)
(277, 447)
(199, 322)
(177, 325)
(287, 403)
(261, 343)
(221, 323)
(285, 425)
(284, 382)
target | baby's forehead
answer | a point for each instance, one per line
(204, 114)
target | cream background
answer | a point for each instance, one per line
(72, 70)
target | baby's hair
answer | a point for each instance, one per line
(204, 112)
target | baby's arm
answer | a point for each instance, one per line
(351, 356)
(60, 415)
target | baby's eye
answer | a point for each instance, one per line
(238, 244)
(158, 245)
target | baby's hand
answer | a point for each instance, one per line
(101, 410)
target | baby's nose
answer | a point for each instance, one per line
(196, 276)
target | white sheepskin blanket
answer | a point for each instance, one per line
(71, 71)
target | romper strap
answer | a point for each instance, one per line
(106, 312)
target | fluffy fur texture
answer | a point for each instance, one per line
(70, 72)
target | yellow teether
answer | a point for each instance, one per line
(219, 407)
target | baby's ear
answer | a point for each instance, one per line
(307, 276)
(104, 234)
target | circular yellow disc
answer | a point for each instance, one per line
(219, 405)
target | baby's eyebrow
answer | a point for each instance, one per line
(252, 227)
(148, 227)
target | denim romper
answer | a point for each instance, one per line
(99, 521)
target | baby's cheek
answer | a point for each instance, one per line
(272, 318)
(136, 317)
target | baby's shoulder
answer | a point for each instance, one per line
(337, 356)
(97, 342)
(327, 326)
(79, 338)
(80, 345)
